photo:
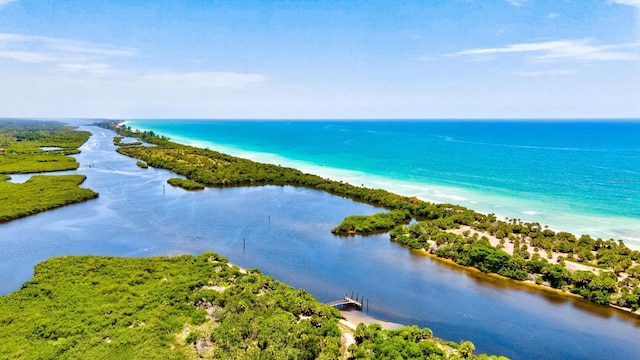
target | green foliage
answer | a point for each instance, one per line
(142, 164)
(556, 275)
(466, 349)
(185, 184)
(20, 152)
(634, 271)
(410, 342)
(104, 307)
(370, 223)
(41, 193)
(630, 298)
(21, 143)
(117, 141)
(597, 288)
(536, 264)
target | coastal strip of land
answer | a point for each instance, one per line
(606, 272)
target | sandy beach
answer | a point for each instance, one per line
(353, 317)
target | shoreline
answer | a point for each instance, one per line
(528, 285)
(439, 194)
(351, 319)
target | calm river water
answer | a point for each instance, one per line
(286, 234)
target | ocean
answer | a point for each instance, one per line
(576, 176)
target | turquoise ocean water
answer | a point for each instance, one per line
(576, 176)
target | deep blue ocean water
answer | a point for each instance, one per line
(578, 176)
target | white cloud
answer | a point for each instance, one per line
(627, 2)
(516, 2)
(71, 93)
(203, 80)
(26, 56)
(92, 68)
(546, 73)
(552, 15)
(4, 2)
(63, 54)
(94, 50)
(576, 50)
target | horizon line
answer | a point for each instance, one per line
(551, 119)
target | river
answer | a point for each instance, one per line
(285, 232)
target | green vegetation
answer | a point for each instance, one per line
(142, 164)
(435, 231)
(117, 141)
(408, 342)
(184, 307)
(20, 143)
(364, 224)
(160, 308)
(185, 184)
(40, 193)
(610, 284)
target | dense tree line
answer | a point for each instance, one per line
(532, 242)
(610, 285)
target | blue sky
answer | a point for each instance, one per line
(320, 59)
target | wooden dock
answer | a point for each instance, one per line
(348, 302)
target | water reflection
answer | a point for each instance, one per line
(553, 297)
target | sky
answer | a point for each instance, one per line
(438, 59)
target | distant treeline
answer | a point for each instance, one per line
(618, 282)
